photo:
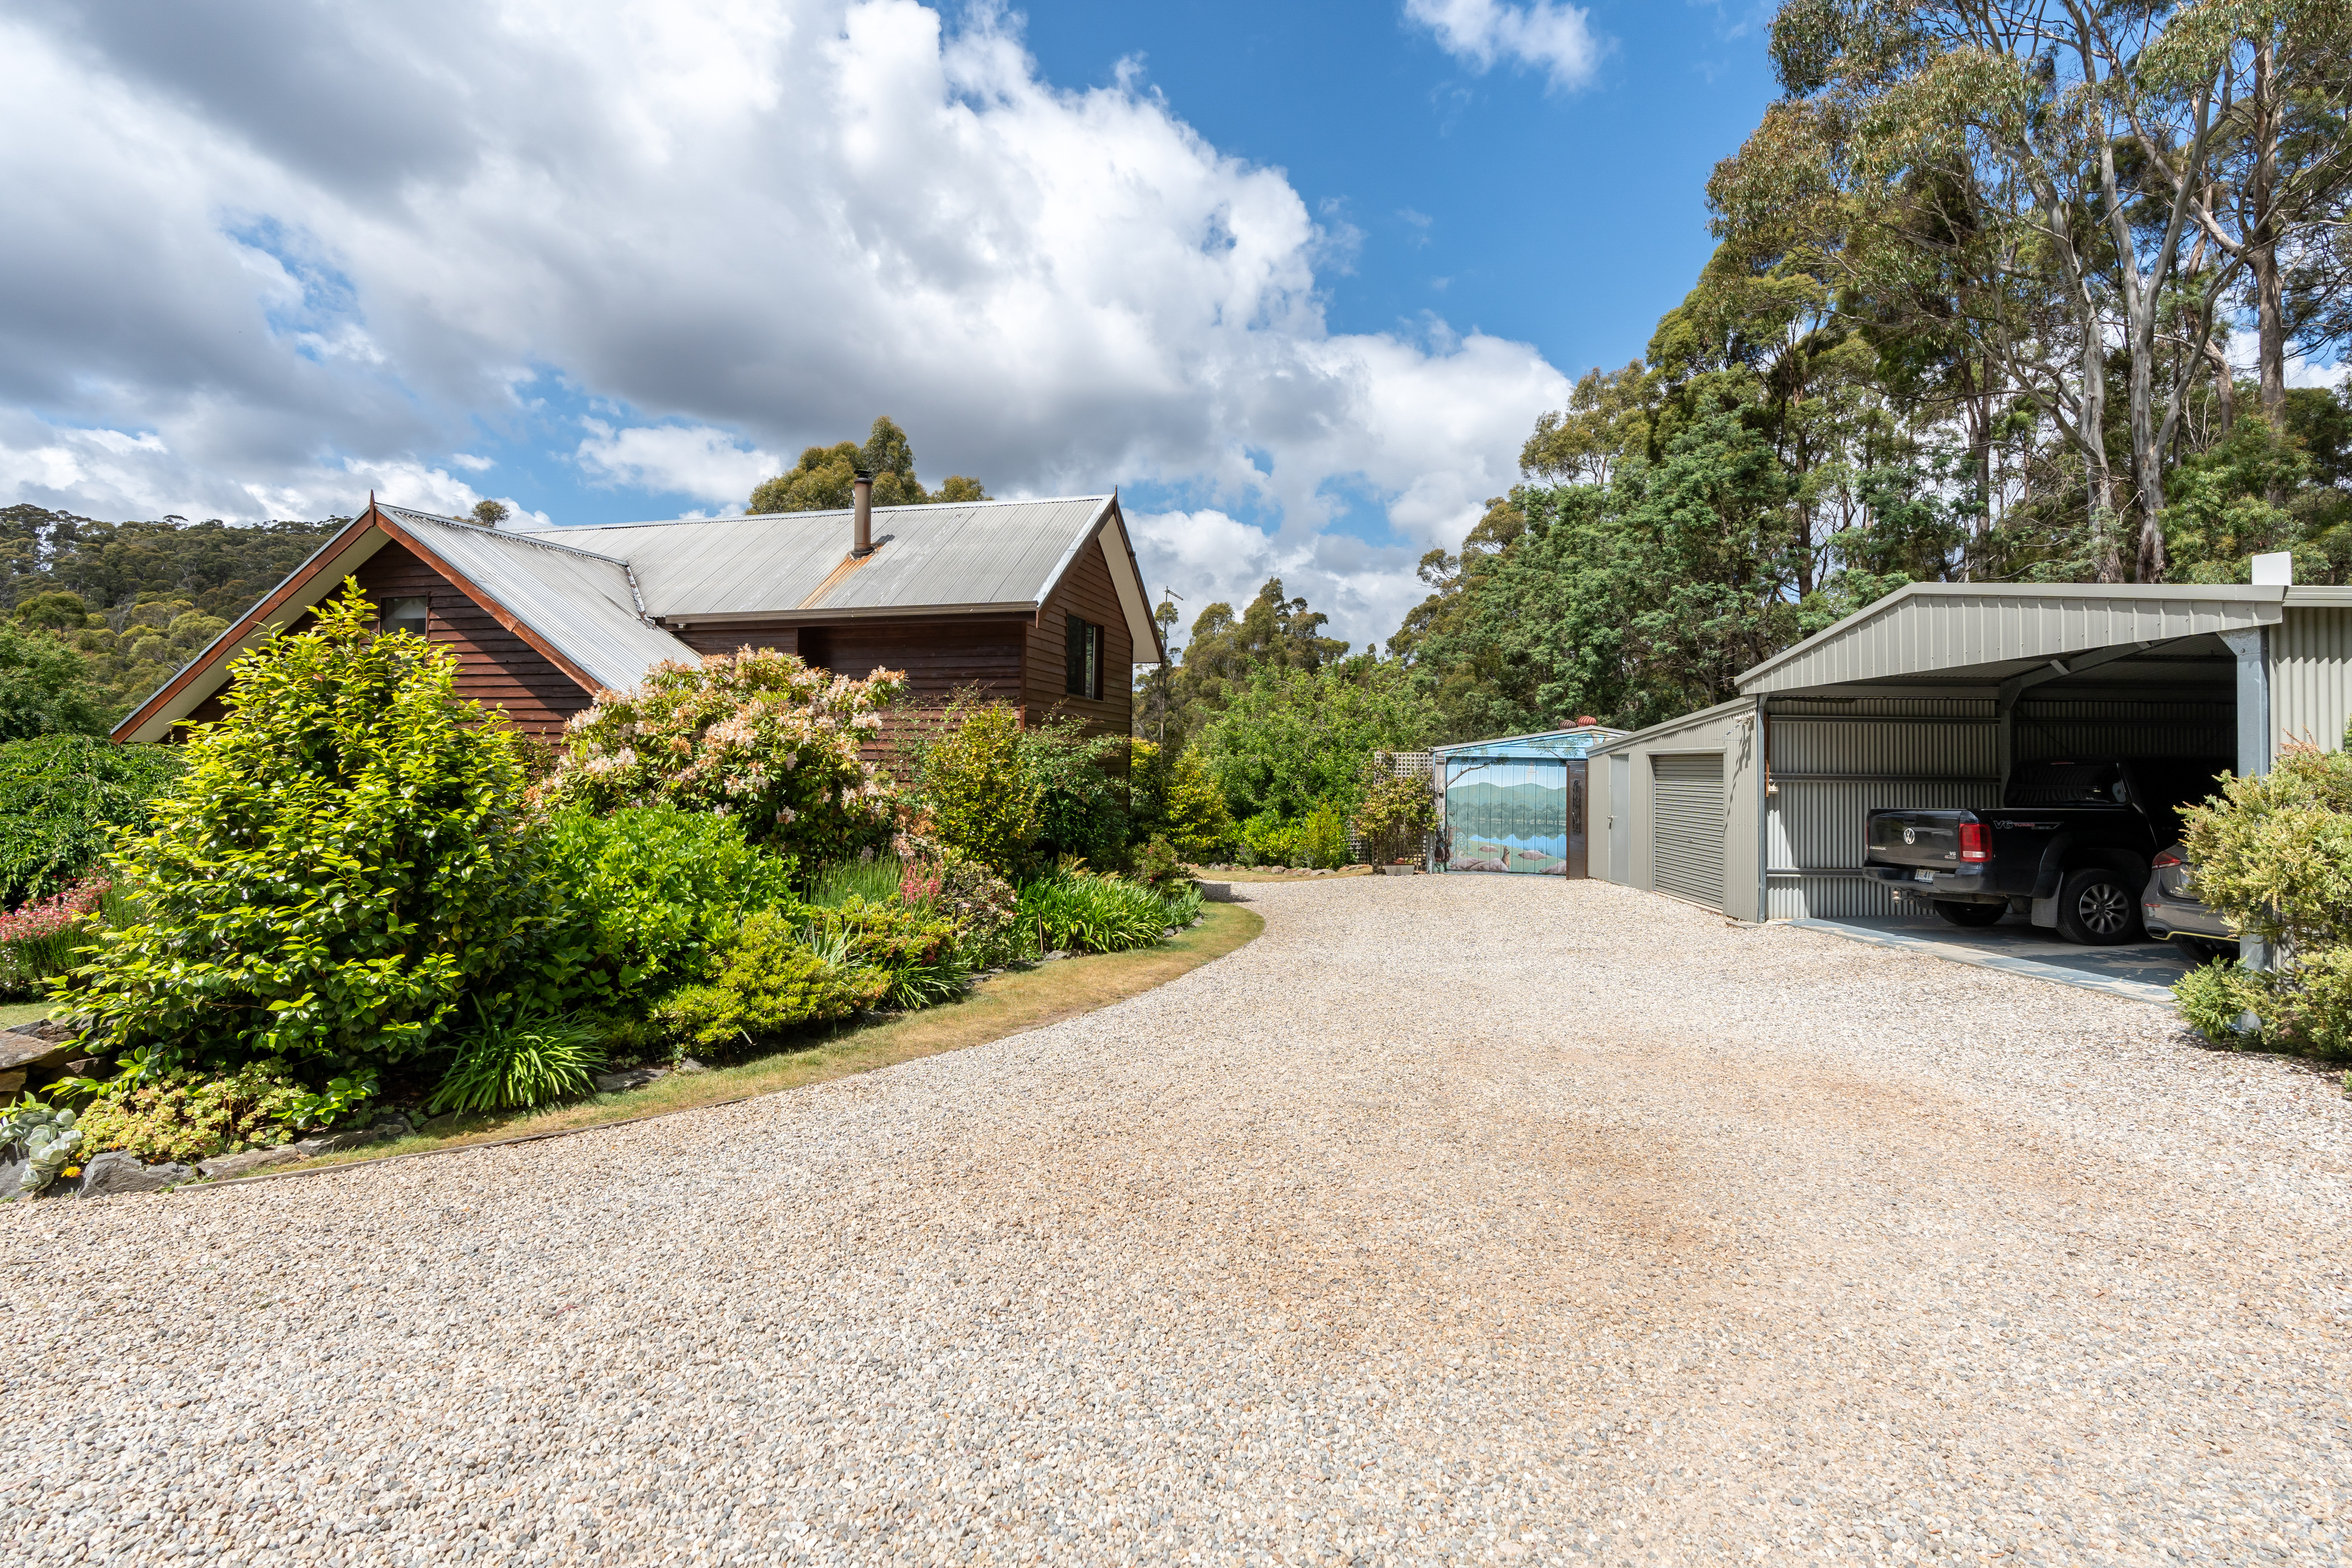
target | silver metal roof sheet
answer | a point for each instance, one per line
(1926, 629)
(578, 599)
(925, 557)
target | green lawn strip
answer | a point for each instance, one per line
(15, 1013)
(1004, 1004)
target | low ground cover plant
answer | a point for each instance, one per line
(194, 1114)
(2273, 856)
(1079, 911)
(769, 982)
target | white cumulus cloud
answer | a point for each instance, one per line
(1553, 39)
(753, 224)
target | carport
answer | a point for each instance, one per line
(1932, 698)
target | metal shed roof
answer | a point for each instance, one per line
(984, 554)
(581, 602)
(1976, 633)
(1581, 741)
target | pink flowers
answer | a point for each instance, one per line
(49, 916)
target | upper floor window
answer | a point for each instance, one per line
(1084, 674)
(405, 615)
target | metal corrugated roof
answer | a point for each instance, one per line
(580, 600)
(1928, 629)
(1574, 742)
(1004, 554)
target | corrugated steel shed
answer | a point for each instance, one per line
(1964, 632)
(995, 555)
(581, 602)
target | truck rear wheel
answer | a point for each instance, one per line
(2096, 908)
(1961, 914)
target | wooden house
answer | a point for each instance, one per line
(1038, 603)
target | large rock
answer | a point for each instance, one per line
(115, 1172)
(223, 1166)
(36, 1048)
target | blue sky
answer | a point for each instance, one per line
(1297, 279)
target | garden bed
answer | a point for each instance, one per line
(1029, 997)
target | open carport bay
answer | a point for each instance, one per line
(1946, 697)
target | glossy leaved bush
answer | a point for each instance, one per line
(346, 856)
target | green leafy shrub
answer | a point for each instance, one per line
(653, 890)
(769, 982)
(64, 798)
(1394, 815)
(1323, 837)
(1081, 805)
(46, 689)
(1157, 867)
(2273, 856)
(914, 947)
(983, 799)
(346, 856)
(1289, 737)
(506, 1066)
(186, 1116)
(757, 735)
(1079, 911)
(1267, 840)
(1199, 825)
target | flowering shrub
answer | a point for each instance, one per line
(37, 941)
(757, 735)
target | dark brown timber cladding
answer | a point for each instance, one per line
(496, 667)
(941, 656)
(1085, 592)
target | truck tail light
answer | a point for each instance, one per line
(1976, 844)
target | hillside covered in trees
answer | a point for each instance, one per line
(2003, 293)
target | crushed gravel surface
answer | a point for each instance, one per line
(1458, 1219)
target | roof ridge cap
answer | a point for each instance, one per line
(528, 536)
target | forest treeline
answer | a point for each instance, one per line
(2002, 293)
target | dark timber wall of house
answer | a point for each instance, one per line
(1088, 593)
(940, 657)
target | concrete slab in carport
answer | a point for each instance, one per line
(2145, 971)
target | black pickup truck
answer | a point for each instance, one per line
(2069, 847)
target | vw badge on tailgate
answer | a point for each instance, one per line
(1910, 836)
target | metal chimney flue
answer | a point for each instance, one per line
(863, 510)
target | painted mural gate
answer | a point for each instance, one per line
(1507, 817)
(1515, 802)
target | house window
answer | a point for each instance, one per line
(405, 615)
(1083, 676)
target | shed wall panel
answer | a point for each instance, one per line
(2311, 676)
(1832, 764)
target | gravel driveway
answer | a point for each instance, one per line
(1455, 1219)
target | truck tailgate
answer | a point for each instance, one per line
(1922, 839)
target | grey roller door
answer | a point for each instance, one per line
(1687, 826)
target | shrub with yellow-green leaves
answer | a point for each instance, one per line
(191, 1116)
(2273, 856)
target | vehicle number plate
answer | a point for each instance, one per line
(1924, 876)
